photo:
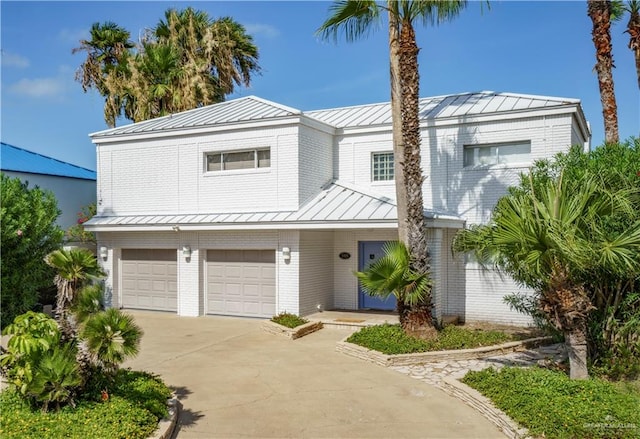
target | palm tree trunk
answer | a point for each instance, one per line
(576, 344)
(633, 29)
(600, 13)
(410, 89)
(396, 122)
(419, 318)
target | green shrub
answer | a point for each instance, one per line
(391, 339)
(551, 405)
(137, 400)
(28, 233)
(289, 320)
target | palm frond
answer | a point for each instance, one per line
(355, 19)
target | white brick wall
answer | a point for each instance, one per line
(345, 284)
(288, 277)
(316, 271)
(315, 166)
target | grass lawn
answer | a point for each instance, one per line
(391, 339)
(137, 401)
(553, 406)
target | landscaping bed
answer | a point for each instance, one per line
(132, 407)
(290, 326)
(551, 405)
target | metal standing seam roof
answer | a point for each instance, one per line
(337, 202)
(252, 108)
(439, 107)
(17, 159)
(245, 109)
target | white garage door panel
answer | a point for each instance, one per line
(149, 279)
(241, 282)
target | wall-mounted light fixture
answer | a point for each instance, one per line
(104, 252)
(186, 251)
(286, 253)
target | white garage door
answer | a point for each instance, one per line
(241, 282)
(149, 279)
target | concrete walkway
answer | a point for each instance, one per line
(234, 380)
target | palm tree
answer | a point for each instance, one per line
(75, 268)
(633, 29)
(106, 50)
(392, 274)
(551, 238)
(600, 12)
(356, 19)
(112, 336)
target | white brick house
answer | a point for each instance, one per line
(250, 208)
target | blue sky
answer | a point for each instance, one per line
(540, 48)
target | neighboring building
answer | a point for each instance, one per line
(251, 208)
(73, 186)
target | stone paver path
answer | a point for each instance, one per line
(434, 373)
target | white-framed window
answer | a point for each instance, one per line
(497, 153)
(234, 160)
(382, 166)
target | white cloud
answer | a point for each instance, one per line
(262, 29)
(73, 35)
(14, 60)
(39, 87)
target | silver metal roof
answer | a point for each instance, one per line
(250, 108)
(439, 107)
(336, 203)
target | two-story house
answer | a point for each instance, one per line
(250, 208)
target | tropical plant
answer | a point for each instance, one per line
(74, 268)
(28, 233)
(77, 233)
(89, 301)
(356, 19)
(107, 51)
(550, 235)
(32, 334)
(188, 60)
(55, 377)
(392, 275)
(600, 12)
(618, 9)
(112, 336)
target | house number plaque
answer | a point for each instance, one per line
(344, 255)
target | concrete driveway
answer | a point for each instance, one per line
(234, 380)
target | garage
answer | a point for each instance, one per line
(241, 282)
(149, 279)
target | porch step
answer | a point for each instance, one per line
(351, 320)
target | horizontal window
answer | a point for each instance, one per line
(499, 153)
(233, 160)
(382, 166)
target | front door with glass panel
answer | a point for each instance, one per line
(369, 252)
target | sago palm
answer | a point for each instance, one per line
(549, 238)
(112, 336)
(55, 377)
(74, 269)
(392, 274)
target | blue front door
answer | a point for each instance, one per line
(369, 252)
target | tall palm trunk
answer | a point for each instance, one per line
(633, 29)
(600, 13)
(419, 317)
(396, 122)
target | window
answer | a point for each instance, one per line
(228, 161)
(501, 153)
(382, 166)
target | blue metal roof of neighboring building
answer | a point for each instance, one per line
(17, 159)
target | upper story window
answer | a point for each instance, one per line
(497, 153)
(233, 160)
(382, 166)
